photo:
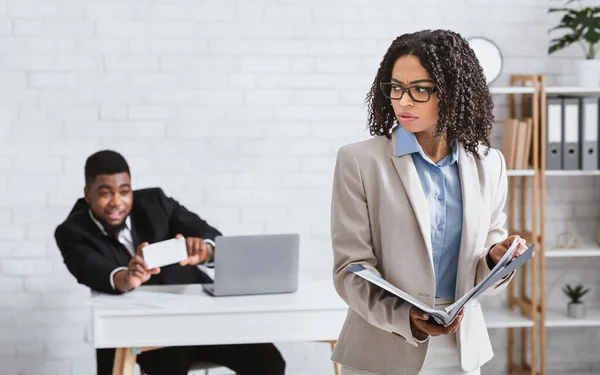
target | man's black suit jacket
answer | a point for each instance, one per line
(91, 256)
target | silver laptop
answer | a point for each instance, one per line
(258, 264)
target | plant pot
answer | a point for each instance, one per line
(587, 73)
(576, 310)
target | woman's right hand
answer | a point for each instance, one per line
(420, 325)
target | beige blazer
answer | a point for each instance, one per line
(380, 219)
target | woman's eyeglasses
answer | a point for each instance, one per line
(419, 94)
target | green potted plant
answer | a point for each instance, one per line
(580, 25)
(575, 308)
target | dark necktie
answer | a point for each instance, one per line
(121, 250)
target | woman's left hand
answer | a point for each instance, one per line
(501, 248)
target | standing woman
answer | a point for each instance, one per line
(421, 204)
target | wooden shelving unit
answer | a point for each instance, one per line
(520, 296)
(552, 318)
(522, 305)
(526, 313)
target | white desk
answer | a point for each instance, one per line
(188, 316)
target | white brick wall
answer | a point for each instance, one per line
(234, 108)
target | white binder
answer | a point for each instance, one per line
(589, 133)
(554, 134)
(570, 150)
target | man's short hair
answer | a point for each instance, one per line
(104, 162)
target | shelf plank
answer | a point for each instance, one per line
(572, 90)
(505, 318)
(574, 173)
(520, 172)
(584, 250)
(558, 318)
(572, 253)
(497, 90)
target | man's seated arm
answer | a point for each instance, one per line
(87, 265)
(182, 221)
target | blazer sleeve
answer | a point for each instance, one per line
(497, 232)
(86, 264)
(351, 241)
(183, 221)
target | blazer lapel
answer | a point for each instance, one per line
(471, 200)
(134, 235)
(141, 230)
(103, 242)
(412, 186)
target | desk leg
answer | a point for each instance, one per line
(124, 362)
(336, 366)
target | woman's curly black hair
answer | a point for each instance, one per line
(465, 101)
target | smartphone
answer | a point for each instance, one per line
(164, 253)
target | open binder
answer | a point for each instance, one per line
(445, 317)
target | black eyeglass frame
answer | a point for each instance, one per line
(384, 85)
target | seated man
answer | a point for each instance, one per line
(101, 243)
